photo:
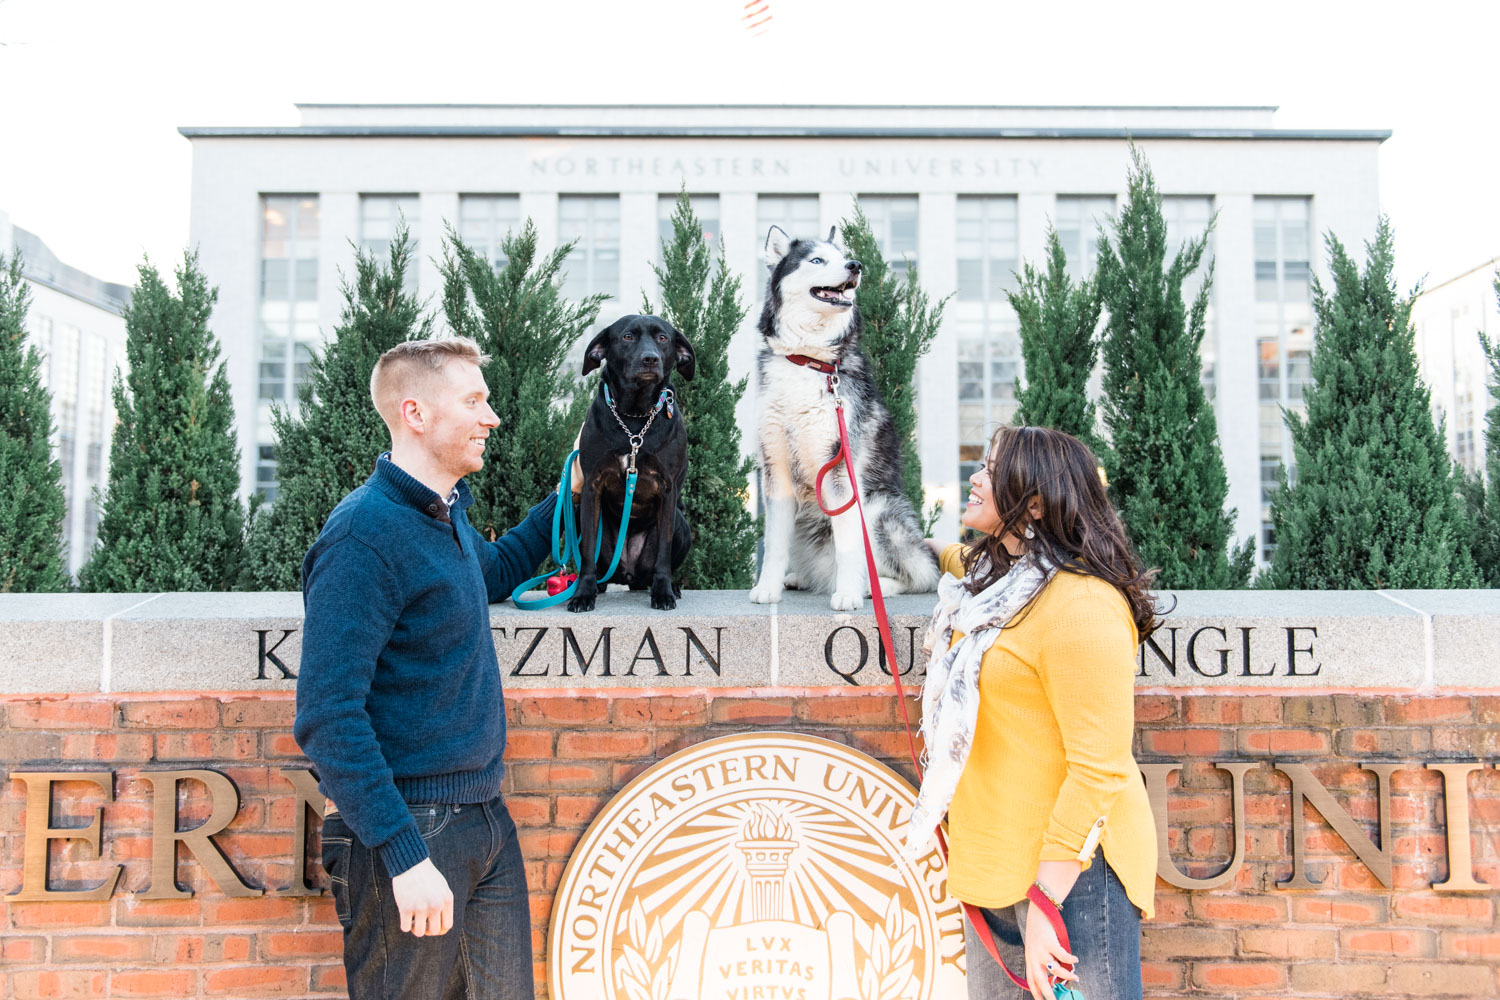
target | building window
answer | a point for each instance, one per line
(797, 215)
(705, 206)
(594, 265)
(893, 220)
(265, 471)
(1077, 221)
(1465, 415)
(1188, 218)
(41, 339)
(484, 220)
(288, 309)
(1284, 334)
(65, 381)
(380, 216)
(95, 381)
(989, 343)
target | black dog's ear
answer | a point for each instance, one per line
(594, 354)
(687, 361)
(777, 245)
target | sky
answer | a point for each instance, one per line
(95, 91)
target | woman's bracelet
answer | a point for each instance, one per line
(1050, 898)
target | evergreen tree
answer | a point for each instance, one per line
(171, 516)
(330, 446)
(707, 308)
(32, 505)
(1374, 502)
(1058, 320)
(900, 322)
(1481, 498)
(1165, 469)
(519, 317)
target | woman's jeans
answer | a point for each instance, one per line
(1104, 929)
(487, 954)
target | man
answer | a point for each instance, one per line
(399, 704)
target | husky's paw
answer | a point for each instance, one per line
(791, 582)
(765, 593)
(843, 600)
(891, 585)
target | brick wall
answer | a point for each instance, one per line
(569, 753)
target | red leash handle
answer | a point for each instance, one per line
(877, 600)
(840, 457)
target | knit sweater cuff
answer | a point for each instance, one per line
(405, 850)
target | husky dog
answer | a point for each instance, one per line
(810, 314)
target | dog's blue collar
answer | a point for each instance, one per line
(665, 399)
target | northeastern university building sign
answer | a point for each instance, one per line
(757, 866)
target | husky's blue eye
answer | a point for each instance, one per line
(817, 260)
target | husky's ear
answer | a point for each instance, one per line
(832, 232)
(594, 354)
(687, 361)
(777, 245)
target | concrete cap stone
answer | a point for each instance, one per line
(1465, 635)
(1222, 640)
(55, 642)
(1284, 639)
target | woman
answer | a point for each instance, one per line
(1028, 716)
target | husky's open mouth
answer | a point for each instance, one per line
(839, 295)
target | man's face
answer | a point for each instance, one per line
(459, 418)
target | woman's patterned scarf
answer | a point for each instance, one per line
(950, 695)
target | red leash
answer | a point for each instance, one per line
(845, 457)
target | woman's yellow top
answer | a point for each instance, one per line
(1052, 749)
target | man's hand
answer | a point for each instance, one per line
(423, 899)
(577, 479)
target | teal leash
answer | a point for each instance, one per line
(565, 550)
(565, 529)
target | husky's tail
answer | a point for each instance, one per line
(906, 558)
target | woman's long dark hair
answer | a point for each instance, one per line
(1078, 532)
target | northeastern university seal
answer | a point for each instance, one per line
(758, 866)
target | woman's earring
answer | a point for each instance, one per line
(1030, 531)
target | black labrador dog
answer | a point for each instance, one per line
(639, 354)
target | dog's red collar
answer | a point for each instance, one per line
(826, 367)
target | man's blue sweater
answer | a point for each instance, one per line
(398, 695)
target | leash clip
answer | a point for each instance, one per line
(833, 386)
(636, 440)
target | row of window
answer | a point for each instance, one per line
(77, 368)
(988, 256)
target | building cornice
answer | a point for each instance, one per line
(773, 132)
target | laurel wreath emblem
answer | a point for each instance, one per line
(643, 972)
(889, 970)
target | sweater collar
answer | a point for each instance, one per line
(404, 488)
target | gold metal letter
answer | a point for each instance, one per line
(1306, 788)
(165, 835)
(40, 833)
(1156, 791)
(1456, 800)
(308, 797)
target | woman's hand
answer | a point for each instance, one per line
(1042, 950)
(936, 546)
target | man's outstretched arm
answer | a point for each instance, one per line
(514, 556)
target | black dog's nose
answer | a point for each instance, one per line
(854, 266)
(651, 361)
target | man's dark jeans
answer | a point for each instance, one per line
(487, 954)
(1104, 928)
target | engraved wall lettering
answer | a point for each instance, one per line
(268, 656)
